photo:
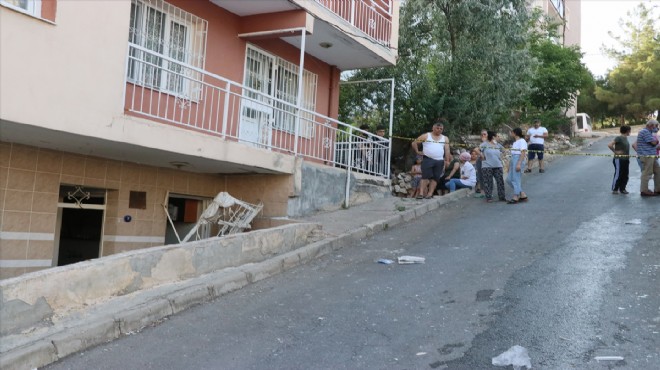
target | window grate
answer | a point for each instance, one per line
(169, 31)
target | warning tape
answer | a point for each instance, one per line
(546, 151)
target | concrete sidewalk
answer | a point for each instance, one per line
(126, 314)
(390, 210)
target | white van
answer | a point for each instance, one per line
(582, 125)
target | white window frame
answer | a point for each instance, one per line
(32, 7)
(310, 80)
(188, 89)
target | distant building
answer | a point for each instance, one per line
(569, 14)
(120, 120)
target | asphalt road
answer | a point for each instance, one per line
(570, 275)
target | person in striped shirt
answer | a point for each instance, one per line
(647, 149)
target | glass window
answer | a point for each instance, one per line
(166, 32)
(32, 7)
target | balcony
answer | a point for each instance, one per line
(348, 34)
(374, 18)
(165, 90)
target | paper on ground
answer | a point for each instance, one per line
(406, 260)
(608, 358)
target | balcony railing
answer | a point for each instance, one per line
(373, 17)
(166, 90)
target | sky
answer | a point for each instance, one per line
(599, 17)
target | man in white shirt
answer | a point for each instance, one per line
(435, 149)
(536, 137)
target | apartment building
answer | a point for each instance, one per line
(120, 120)
(569, 14)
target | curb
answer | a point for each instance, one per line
(129, 314)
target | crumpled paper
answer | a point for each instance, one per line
(516, 356)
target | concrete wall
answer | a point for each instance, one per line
(38, 299)
(323, 188)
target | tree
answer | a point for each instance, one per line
(487, 66)
(632, 87)
(466, 60)
(588, 103)
(413, 75)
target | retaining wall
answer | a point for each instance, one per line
(39, 299)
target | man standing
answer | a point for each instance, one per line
(435, 149)
(536, 137)
(646, 149)
(621, 161)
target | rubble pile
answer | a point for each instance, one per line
(559, 142)
(402, 183)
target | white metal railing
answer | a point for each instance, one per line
(373, 17)
(210, 103)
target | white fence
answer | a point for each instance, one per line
(164, 89)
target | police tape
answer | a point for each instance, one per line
(546, 151)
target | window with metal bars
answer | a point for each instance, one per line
(286, 89)
(275, 77)
(167, 32)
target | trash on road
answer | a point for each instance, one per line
(407, 260)
(608, 358)
(516, 356)
(385, 261)
(635, 221)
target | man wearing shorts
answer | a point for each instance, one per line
(436, 156)
(536, 137)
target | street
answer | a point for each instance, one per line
(570, 275)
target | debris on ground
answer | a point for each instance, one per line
(608, 358)
(407, 260)
(635, 221)
(516, 356)
(385, 261)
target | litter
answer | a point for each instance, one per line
(407, 260)
(516, 356)
(635, 221)
(385, 261)
(608, 358)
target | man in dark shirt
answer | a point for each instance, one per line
(621, 148)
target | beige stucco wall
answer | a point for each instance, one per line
(68, 75)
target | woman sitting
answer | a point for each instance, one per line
(468, 177)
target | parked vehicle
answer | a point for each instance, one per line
(582, 126)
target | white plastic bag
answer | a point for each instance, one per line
(516, 356)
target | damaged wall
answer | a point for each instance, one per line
(38, 299)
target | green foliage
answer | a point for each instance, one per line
(559, 76)
(474, 62)
(631, 89)
(587, 102)
(488, 65)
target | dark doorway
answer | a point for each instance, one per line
(81, 224)
(80, 235)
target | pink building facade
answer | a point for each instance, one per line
(121, 120)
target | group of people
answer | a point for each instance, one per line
(435, 170)
(647, 147)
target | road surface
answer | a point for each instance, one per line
(571, 275)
